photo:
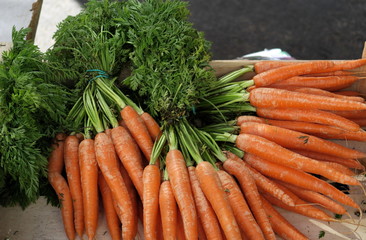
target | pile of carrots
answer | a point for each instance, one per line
(280, 157)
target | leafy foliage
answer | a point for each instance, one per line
(169, 57)
(32, 109)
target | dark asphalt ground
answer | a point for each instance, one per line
(312, 29)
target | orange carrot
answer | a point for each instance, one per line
(297, 178)
(315, 129)
(281, 98)
(314, 197)
(341, 168)
(264, 183)
(334, 73)
(111, 216)
(215, 194)
(262, 66)
(308, 115)
(106, 158)
(351, 114)
(298, 140)
(361, 122)
(250, 191)
(348, 93)
(129, 154)
(168, 211)
(302, 207)
(71, 152)
(280, 225)
(59, 184)
(89, 186)
(151, 125)
(328, 82)
(269, 150)
(151, 180)
(206, 214)
(180, 227)
(138, 130)
(274, 75)
(321, 92)
(201, 232)
(242, 213)
(179, 179)
(347, 162)
(340, 65)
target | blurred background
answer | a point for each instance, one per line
(313, 29)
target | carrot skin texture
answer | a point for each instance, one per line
(138, 130)
(151, 180)
(151, 125)
(263, 183)
(206, 214)
(298, 178)
(251, 194)
(129, 154)
(274, 75)
(317, 91)
(168, 211)
(280, 225)
(242, 213)
(298, 140)
(89, 186)
(215, 194)
(179, 179)
(347, 162)
(308, 115)
(281, 98)
(112, 219)
(266, 149)
(59, 184)
(314, 197)
(329, 83)
(72, 167)
(107, 162)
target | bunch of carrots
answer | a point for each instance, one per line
(224, 179)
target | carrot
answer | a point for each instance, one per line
(351, 114)
(280, 225)
(179, 179)
(308, 115)
(215, 194)
(269, 150)
(321, 92)
(250, 191)
(263, 66)
(152, 126)
(206, 214)
(132, 192)
(111, 216)
(201, 232)
(59, 184)
(347, 162)
(106, 158)
(297, 140)
(360, 122)
(341, 65)
(264, 183)
(274, 75)
(281, 98)
(242, 213)
(318, 130)
(168, 210)
(138, 130)
(89, 186)
(129, 154)
(348, 93)
(151, 180)
(340, 168)
(302, 207)
(180, 227)
(328, 82)
(314, 197)
(297, 178)
(71, 152)
(333, 73)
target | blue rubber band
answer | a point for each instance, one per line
(102, 74)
